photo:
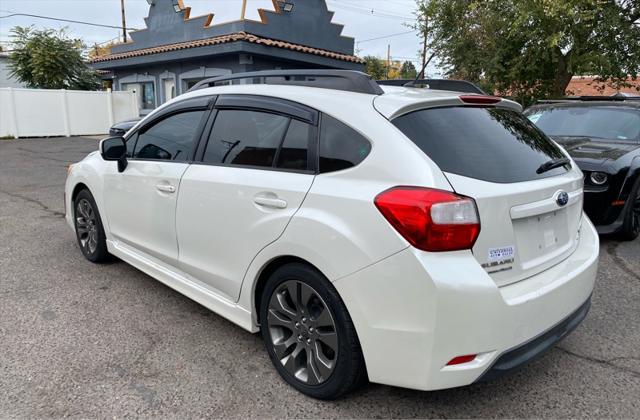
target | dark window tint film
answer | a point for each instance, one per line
(131, 143)
(294, 153)
(491, 144)
(170, 139)
(341, 147)
(245, 138)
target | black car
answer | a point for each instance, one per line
(121, 128)
(602, 134)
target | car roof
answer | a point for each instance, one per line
(394, 102)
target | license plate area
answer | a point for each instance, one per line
(542, 237)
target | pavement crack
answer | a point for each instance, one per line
(611, 250)
(34, 201)
(605, 362)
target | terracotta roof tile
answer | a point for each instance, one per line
(238, 36)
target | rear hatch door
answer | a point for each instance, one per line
(529, 218)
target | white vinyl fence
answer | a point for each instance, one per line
(43, 113)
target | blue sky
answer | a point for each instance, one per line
(363, 20)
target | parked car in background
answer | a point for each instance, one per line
(356, 227)
(121, 128)
(602, 134)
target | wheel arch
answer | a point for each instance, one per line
(80, 183)
(263, 275)
(76, 190)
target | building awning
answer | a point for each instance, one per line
(235, 37)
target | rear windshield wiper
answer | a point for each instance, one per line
(552, 164)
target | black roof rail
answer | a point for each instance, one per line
(436, 84)
(592, 98)
(347, 80)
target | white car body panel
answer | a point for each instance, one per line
(422, 308)
(230, 204)
(140, 204)
(437, 306)
(525, 218)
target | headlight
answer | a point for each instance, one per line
(69, 169)
(599, 178)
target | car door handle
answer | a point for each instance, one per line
(270, 202)
(166, 188)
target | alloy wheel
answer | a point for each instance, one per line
(303, 332)
(86, 227)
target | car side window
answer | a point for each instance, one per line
(171, 139)
(245, 138)
(131, 144)
(294, 153)
(341, 147)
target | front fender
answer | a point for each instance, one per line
(86, 172)
(632, 176)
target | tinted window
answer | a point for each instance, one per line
(131, 143)
(490, 144)
(295, 148)
(612, 123)
(341, 147)
(170, 139)
(246, 138)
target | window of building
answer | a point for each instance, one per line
(146, 93)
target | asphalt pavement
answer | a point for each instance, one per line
(85, 340)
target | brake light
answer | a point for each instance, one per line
(480, 99)
(431, 220)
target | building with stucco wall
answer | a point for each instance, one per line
(175, 50)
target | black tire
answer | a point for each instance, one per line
(348, 368)
(89, 230)
(631, 227)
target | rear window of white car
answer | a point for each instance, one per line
(490, 144)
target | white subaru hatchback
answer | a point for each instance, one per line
(412, 237)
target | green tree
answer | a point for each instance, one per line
(375, 67)
(48, 59)
(408, 70)
(531, 48)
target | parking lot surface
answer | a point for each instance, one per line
(85, 340)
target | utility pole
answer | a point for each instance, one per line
(388, 59)
(424, 48)
(124, 22)
(244, 9)
(424, 57)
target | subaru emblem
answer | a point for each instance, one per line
(563, 199)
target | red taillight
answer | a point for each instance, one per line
(431, 220)
(461, 359)
(480, 100)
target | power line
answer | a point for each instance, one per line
(394, 11)
(386, 36)
(371, 12)
(62, 20)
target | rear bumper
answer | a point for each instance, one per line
(415, 311)
(515, 358)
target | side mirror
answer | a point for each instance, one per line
(115, 149)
